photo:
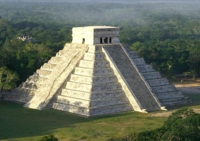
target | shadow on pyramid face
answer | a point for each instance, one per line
(97, 75)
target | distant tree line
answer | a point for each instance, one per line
(19, 59)
(167, 37)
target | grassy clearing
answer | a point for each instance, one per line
(22, 124)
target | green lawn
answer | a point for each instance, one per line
(22, 124)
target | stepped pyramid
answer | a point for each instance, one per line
(97, 75)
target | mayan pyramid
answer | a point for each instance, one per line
(97, 75)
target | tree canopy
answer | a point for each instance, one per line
(167, 37)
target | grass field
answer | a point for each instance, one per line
(22, 124)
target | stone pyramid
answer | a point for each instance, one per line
(97, 75)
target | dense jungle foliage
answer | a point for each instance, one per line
(166, 34)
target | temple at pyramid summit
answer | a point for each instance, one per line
(97, 75)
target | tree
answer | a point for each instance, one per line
(48, 138)
(8, 79)
(182, 125)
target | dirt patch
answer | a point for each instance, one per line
(193, 88)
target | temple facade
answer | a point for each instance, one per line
(97, 75)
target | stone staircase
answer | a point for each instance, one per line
(93, 88)
(39, 88)
(166, 93)
(131, 76)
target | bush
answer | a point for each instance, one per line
(48, 138)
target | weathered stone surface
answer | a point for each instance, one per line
(131, 76)
(92, 87)
(96, 75)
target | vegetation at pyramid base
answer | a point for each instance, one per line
(48, 138)
(167, 38)
(182, 125)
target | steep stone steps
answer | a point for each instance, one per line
(93, 95)
(91, 103)
(55, 60)
(165, 88)
(158, 82)
(145, 68)
(65, 64)
(94, 56)
(48, 66)
(83, 111)
(92, 64)
(92, 79)
(151, 75)
(95, 49)
(132, 77)
(44, 73)
(139, 61)
(93, 72)
(92, 88)
(166, 93)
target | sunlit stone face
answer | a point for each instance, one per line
(95, 35)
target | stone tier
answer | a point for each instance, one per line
(93, 88)
(94, 56)
(145, 68)
(158, 82)
(112, 109)
(165, 88)
(92, 64)
(166, 93)
(139, 61)
(92, 79)
(93, 72)
(91, 103)
(133, 79)
(94, 95)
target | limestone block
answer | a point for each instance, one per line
(72, 109)
(133, 55)
(42, 80)
(92, 72)
(29, 85)
(44, 73)
(93, 95)
(158, 82)
(108, 94)
(110, 109)
(145, 68)
(92, 88)
(62, 53)
(139, 61)
(92, 64)
(175, 101)
(76, 94)
(94, 56)
(166, 88)
(67, 46)
(55, 60)
(73, 101)
(151, 75)
(168, 95)
(94, 49)
(33, 78)
(48, 66)
(108, 102)
(90, 79)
